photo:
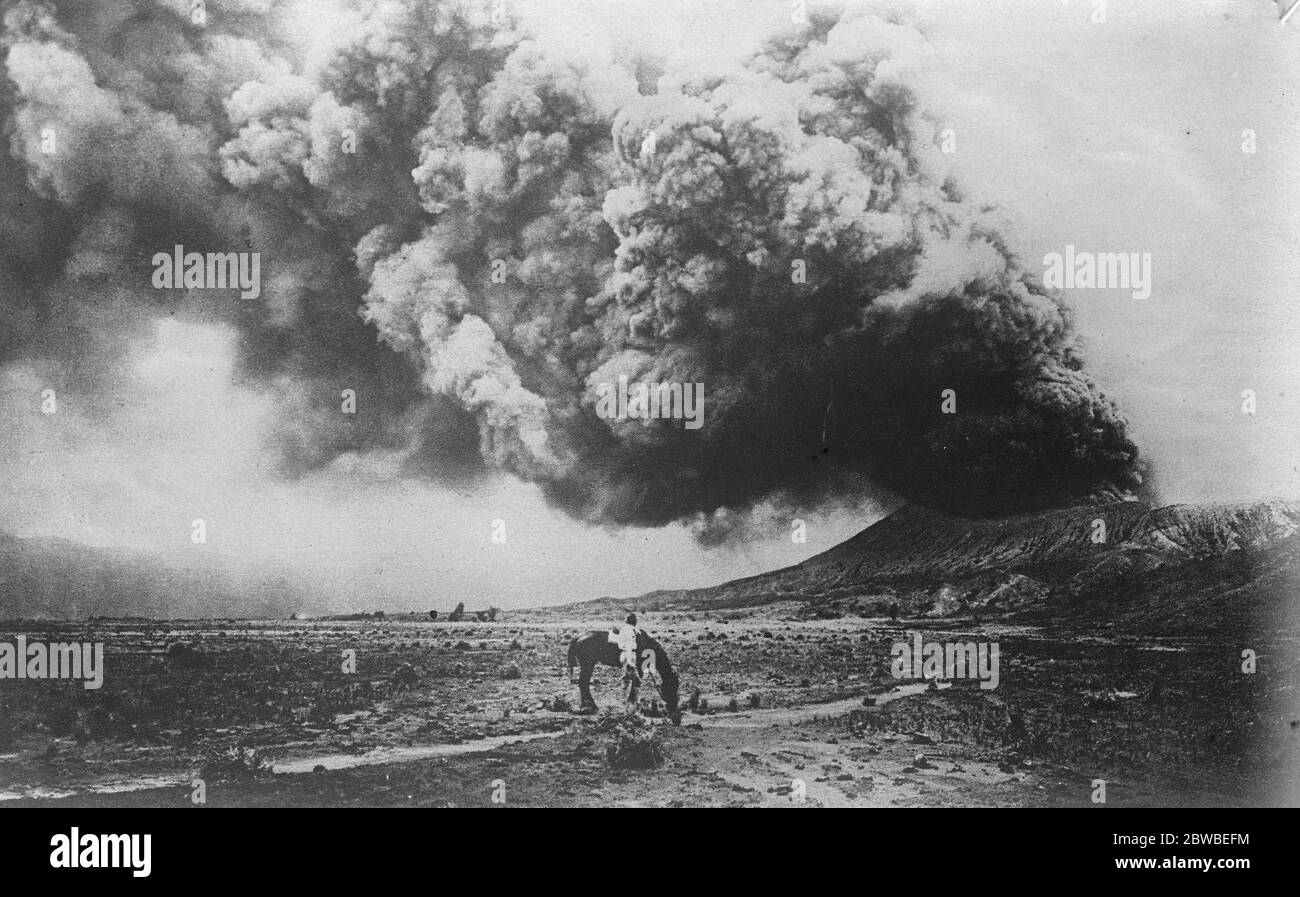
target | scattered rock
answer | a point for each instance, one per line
(406, 676)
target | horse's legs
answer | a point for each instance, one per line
(584, 685)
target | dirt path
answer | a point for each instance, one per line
(743, 720)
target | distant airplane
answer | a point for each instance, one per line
(1285, 8)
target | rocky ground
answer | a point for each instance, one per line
(783, 711)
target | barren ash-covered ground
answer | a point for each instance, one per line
(1120, 661)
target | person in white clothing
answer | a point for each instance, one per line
(625, 637)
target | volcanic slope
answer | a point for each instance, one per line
(1194, 565)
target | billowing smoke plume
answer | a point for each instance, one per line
(477, 233)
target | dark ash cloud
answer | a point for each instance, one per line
(479, 150)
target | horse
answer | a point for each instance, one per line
(598, 647)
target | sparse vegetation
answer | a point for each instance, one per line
(634, 743)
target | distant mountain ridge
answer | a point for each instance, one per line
(1188, 564)
(923, 562)
(50, 578)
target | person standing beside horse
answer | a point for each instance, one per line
(625, 637)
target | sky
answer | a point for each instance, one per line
(1123, 135)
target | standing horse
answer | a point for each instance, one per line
(599, 647)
